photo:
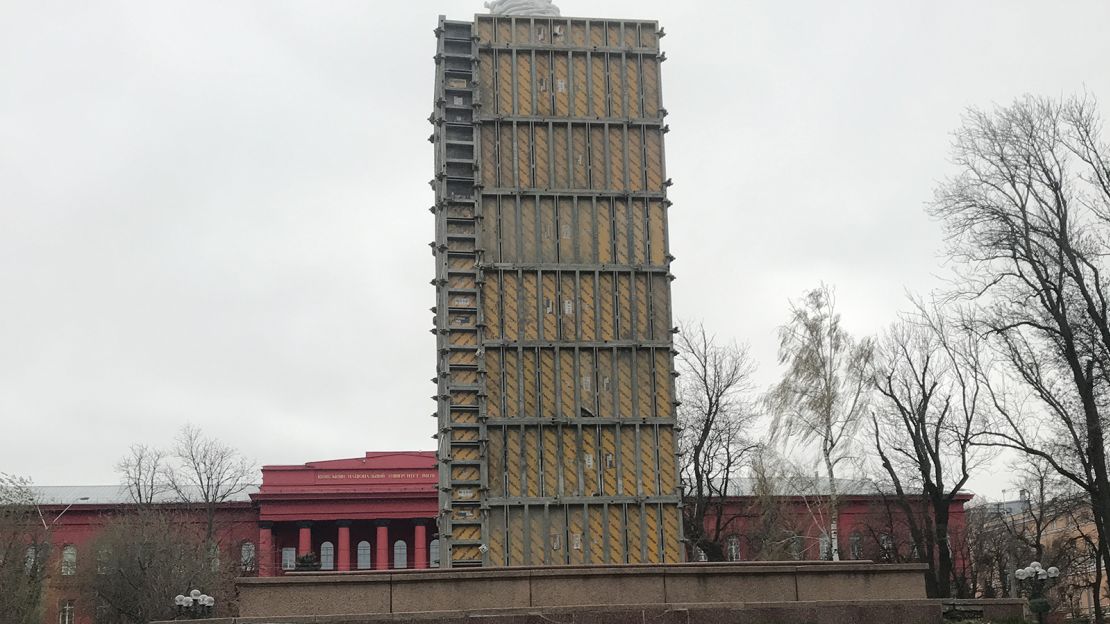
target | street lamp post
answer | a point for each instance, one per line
(195, 605)
(1036, 579)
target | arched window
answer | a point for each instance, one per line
(31, 559)
(400, 555)
(327, 556)
(732, 545)
(363, 560)
(855, 545)
(246, 557)
(66, 611)
(69, 560)
(433, 553)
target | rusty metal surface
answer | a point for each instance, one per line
(556, 390)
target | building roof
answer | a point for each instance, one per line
(108, 495)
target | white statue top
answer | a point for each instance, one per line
(544, 8)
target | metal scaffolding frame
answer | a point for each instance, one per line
(555, 386)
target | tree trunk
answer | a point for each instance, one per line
(944, 551)
(834, 512)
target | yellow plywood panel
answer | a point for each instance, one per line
(586, 241)
(491, 306)
(509, 227)
(528, 229)
(586, 308)
(645, 392)
(522, 31)
(542, 147)
(531, 466)
(549, 306)
(664, 382)
(604, 232)
(667, 471)
(528, 375)
(638, 231)
(635, 534)
(509, 304)
(607, 461)
(503, 31)
(513, 472)
(651, 533)
(654, 160)
(537, 551)
(560, 85)
(465, 378)
(464, 473)
(672, 534)
(596, 32)
(504, 62)
(489, 236)
(497, 529)
(587, 386)
(657, 221)
(464, 453)
(580, 155)
(529, 288)
(632, 85)
(624, 384)
(598, 147)
(548, 388)
(465, 553)
(569, 452)
(643, 299)
(496, 460)
(523, 138)
(649, 68)
(565, 229)
(628, 462)
(647, 35)
(617, 93)
(516, 537)
(551, 466)
(576, 532)
(616, 158)
(615, 527)
(545, 105)
(648, 464)
(568, 307)
(512, 390)
(578, 33)
(464, 398)
(636, 159)
(613, 34)
(579, 85)
(660, 308)
(487, 91)
(524, 83)
(556, 535)
(567, 382)
(560, 158)
(597, 85)
(506, 163)
(605, 408)
(595, 534)
(621, 222)
(624, 305)
(588, 460)
(548, 229)
(607, 322)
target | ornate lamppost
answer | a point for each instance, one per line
(1035, 580)
(195, 605)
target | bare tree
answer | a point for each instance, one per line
(143, 473)
(145, 558)
(823, 393)
(715, 414)
(23, 552)
(208, 472)
(1028, 222)
(923, 424)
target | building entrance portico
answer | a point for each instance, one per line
(370, 513)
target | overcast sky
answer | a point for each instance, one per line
(216, 212)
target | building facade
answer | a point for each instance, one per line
(556, 398)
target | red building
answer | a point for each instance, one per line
(377, 512)
(368, 513)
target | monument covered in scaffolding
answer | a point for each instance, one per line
(555, 385)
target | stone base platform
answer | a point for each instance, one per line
(740, 593)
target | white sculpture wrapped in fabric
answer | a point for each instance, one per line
(543, 8)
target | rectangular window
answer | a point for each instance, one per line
(65, 612)
(288, 558)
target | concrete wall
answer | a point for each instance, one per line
(313, 594)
